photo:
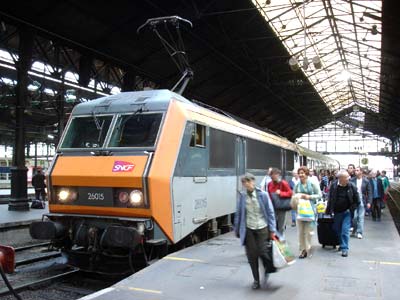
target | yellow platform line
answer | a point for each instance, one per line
(382, 262)
(145, 290)
(183, 259)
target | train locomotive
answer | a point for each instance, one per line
(141, 172)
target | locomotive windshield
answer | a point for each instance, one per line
(87, 132)
(136, 130)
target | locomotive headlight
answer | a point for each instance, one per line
(136, 197)
(123, 197)
(63, 195)
(66, 195)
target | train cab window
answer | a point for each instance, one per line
(198, 138)
(136, 130)
(87, 132)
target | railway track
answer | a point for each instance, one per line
(394, 203)
(42, 273)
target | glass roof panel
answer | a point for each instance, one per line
(336, 44)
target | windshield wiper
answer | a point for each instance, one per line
(98, 126)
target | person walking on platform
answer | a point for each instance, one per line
(281, 189)
(255, 226)
(351, 170)
(365, 193)
(386, 186)
(292, 183)
(38, 183)
(377, 196)
(342, 200)
(267, 179)
(308, 190)
(313, 177)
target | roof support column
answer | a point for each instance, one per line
(19, 178)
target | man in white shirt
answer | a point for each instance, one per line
(267, 179)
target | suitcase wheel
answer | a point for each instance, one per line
(323, 246)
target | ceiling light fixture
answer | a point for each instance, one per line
(374, 30)
(317, 62)
(294, 64)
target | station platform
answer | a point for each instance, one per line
(18, 218)
(218, 269)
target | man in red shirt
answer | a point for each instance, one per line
(282, 189)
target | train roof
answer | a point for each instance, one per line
(154, 100)
(316, 155)
(159, 100)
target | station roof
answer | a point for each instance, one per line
(239, 53)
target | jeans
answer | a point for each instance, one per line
(376, 208)
(358, 220)
(257, 245)
(342, 223)
(294, 215)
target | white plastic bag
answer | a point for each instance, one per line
(277, 257)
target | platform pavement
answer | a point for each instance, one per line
(18, 218)
(217, 269)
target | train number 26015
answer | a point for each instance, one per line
(95, 196)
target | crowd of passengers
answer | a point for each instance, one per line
(350, 195)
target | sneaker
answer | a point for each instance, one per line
(351, 229)
(345, 253)
(359, 236)
(256, 285)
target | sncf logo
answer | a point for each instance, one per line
(123, 166)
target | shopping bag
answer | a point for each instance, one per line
(305, 211)
(281, 254)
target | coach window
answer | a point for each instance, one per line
(198, 136)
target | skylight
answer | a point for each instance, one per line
(336, 43)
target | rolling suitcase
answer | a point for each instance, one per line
(326, 234)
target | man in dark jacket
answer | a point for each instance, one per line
(365, 193)
(39, 184)
(343, 199)
(377, 196)
(255, 226)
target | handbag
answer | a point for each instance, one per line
(38, 204)
(280, 203)
(305, 211)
